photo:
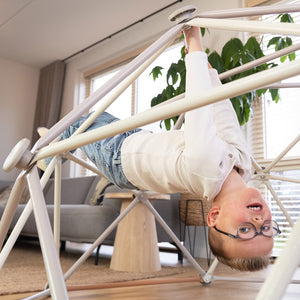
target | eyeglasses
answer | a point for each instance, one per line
(247, 231)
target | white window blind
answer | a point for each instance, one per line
(272, 127)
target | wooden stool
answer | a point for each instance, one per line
(135, 246)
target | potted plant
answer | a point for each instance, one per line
(234, 53)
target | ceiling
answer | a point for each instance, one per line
(37, 32)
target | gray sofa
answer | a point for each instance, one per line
(83, 222)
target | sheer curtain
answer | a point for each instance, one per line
(49, 97)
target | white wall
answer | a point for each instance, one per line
(18, 92)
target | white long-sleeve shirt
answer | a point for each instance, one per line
(198, 159)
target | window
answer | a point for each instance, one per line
(121, 107)
(273, 127)
(147, 88)
(134, 99)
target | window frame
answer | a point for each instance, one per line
(256, 136)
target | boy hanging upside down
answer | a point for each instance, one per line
(209, 158)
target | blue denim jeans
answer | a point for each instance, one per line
(105, 154)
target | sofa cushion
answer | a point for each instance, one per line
(73, 190)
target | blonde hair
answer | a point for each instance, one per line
(241, 264)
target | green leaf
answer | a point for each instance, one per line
(168, 124)
(169, 91)
(181, 67)
(280, 44)
(247, 109)
(283, 58)
(237, 103)
(216, 62)
(260, 92)
(253, 47)
(172, 73)
(273, 41)
(156, 71)
(230, 49)
(275, 95)
(182, 52)
(286, 18)
(289, 41)
(292, 56)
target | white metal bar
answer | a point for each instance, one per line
(89, 251)
(283, 153)
(283, 269)
(248, 26)
(260, 61)
(57, 203)
(250, 11)
(15, 233)
(282, 208)
(174, 237)
(23, 218)
(283, 85)
(179, 121)
(283, 178)
(209, 274)
(101, 238)
(238, 279)
(51, 259)
(100, 93)
(256, 166)
(227, 90)
(83, 163)
(11, 206)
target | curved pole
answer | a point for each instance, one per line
(283, 153)
(283, 269)
(250, 11)
(11, 206)
(227, 90)
(249, 26)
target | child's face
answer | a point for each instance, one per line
(246, 205)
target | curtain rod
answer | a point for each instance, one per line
(121, 30)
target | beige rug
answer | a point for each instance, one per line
(24, 270)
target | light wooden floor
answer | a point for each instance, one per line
(216, 290)
(176, 291)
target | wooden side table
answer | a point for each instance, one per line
(135, 246)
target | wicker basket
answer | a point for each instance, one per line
(193, 211)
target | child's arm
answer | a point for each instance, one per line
(204, 149)
(212, 131)
(201, 138)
